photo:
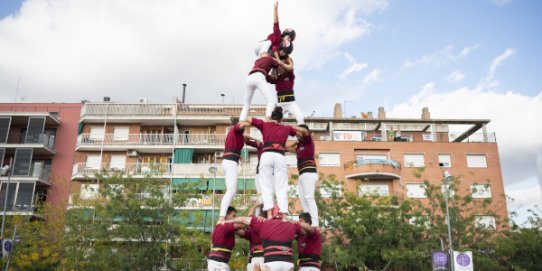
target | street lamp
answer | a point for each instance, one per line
(6, 170)
(448, 178)
(223, 95)
(213, 170)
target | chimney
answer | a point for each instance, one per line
(370, 115)
(338, 111)
(184, 93)
(425, 114)
(381, 113)
(107, 99)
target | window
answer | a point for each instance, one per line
(329, 159)
(416, 190)
(117, 161)
(89, 191)
(121, 133)
(444, 160)
(291, 160)
(116, 189)
(485, 221)
(93, 161)
(22, 162)
(374, 190)
(481, 191)
(427, 137)
(327, 191)
(414, 160)
(5, 123)
(476, 160)
(96, 133)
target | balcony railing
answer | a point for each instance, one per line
(19, 138)
(164, 110)
(151, 139)
(392, 163)
(166, 169)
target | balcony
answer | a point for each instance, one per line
(43, 144)
(149, 142)
(39, 174)
(373, 169)
(141, 170)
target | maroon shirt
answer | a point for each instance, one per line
(310, 243)
(305, 155)
(259, 148)
(234, 143)
(274, 134)
(264, 64)
(223, 239)
(275, 37)
(256, 247)
(277, 235)
(309, 247)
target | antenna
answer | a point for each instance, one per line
(17, 89)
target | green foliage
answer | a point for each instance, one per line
(378, 232)
(130, 226)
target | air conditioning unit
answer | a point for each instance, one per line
(132, 153)
(193, 202)
(142, 100)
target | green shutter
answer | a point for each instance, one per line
(183, 156)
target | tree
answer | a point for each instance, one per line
(398, 233)
(131, 224)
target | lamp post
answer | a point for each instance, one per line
(448, 178)
(6, 170)
(223, 95)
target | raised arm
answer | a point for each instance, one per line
(308, 228)
(290, 147)
(245, 220)
(301, 130)
(288, 66)
(276, 12)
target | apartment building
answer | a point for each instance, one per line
(182, 143)
(40, 166)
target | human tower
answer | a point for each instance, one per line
(267, 227)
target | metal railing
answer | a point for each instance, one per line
(151, 139)
(147, 109)
(153, 169)
(392, 163)
(19, 138)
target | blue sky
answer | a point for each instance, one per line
(462, 59)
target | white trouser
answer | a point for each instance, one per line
(262, 47)
(309, 268)
(305, 188)
(256, 261)
(274, 180)
(258, 187)
(293, 108)
(257, 81)
(217, 266)
(230, 169)
(279, 266)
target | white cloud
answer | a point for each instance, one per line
(513, 117)
(354, 66)
(501, 3)
(497, 62)
(440, 57)
(71, 50)
(455, 76)
(371, 78)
